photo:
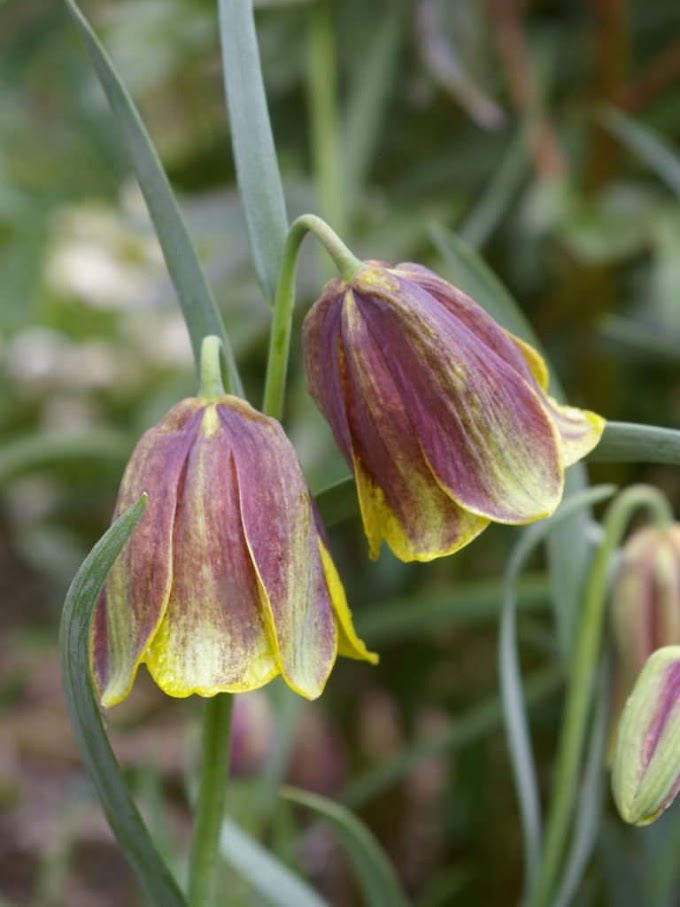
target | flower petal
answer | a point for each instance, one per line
(349, 643)
(280, 531)
(138, 585)
(214, 636)
(320, 344)
(400, 498)
(580, 429)
(482, 427)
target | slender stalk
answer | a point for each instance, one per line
(279, 338)
(583, 669)
(205, 859)
(322, 89)
(211, 378)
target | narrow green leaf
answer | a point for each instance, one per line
(96, 752)
(45, 449)
(624, 442)
(376, 876)
(270, 878)
(473, 724)
(567, 547)
(195, 298)
(589, 808)
(646, 144)
(514, 708)
(257, 168)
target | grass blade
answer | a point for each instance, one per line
(377, 878)
(274, 881)
(514, 708)
(257, 168)
(195, 298)
(98, 757)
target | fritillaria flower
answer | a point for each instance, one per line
(227, 580)
(645, 599)
(646, 766)
(442, 415)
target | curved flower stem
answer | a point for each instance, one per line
(211, 383)
(279, 338)
(205, 858)
(583, 669)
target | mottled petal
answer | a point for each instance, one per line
(213, 636)
(138, 584)
(483, 429)
(400, 498)
(513, 351)
(349, 643)
(320, 344)
(646, 766)
(580, 430)
(280, 531)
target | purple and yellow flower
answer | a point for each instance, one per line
(227, 580)
(645, 600)
(443, 416)
(646, 766)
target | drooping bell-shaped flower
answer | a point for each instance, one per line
(227, 580)
(443, 415)
(646, 765)
(645, 599)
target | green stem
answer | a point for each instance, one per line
(211, 385)
(322, 87)
(205, 859)
(279, 338)
(583, 669)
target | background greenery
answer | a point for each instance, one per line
(495, 119)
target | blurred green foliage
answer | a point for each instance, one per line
(541, 131)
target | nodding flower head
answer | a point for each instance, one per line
(227, 580)
(443, 415)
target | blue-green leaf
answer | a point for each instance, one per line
(375, 874)
(514, 707)
(273, 880)
(96, 752)
(257, 169)
(195, 298)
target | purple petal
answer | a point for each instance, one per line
(280, 530)
(481, 426)
(138, 584)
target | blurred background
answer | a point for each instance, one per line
(543, 133)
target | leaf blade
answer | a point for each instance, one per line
(257, 168)
(194, 295)
(98, 758)
(375, 873)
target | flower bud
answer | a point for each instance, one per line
(443, 416)
(645, 600)
(227, 580)
(646, 766)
